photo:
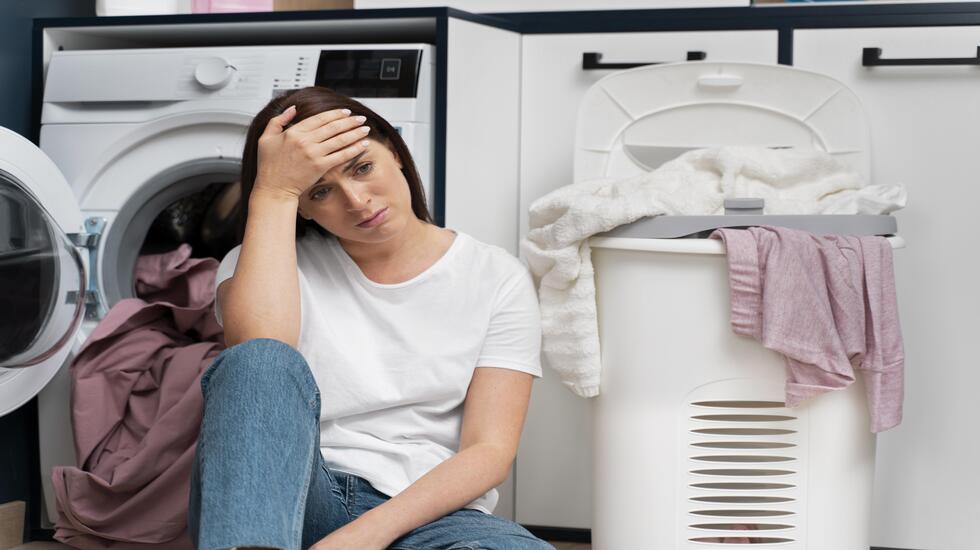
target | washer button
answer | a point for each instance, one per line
(390, 69)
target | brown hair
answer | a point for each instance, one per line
(311, 101)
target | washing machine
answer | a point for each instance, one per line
(129, 137)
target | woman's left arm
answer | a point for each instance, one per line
(493, 417)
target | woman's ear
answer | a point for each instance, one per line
(302, 214)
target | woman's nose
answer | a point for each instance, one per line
(357, 197)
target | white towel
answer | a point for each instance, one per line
(792, 181)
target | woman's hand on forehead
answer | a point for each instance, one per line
(292, 158)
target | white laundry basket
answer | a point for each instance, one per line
(693, 442)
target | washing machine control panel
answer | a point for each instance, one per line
(370, 73)
(242, 72)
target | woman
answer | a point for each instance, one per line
(349, 413)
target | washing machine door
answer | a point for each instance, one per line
(42, 273)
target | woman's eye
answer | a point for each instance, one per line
(363, 169)
(320, 193)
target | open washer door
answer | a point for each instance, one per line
(42, 274)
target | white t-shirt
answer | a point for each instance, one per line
(393, 361)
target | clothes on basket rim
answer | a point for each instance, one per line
(828, 305)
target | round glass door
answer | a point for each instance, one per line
(42, 281)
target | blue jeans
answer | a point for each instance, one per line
(259, 478)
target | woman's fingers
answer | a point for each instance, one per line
(338, 157)
(340, 141)
(277, 124)
(311, 123)
(334, 128)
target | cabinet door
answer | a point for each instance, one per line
(925, 130)
(482, 111)
(483, 91)
(554, 464)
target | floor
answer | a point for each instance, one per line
(59, 546)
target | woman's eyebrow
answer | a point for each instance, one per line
(353, 161)
(347, 167)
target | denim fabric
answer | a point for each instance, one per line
(259, 478)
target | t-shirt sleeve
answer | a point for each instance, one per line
(225, 271)
(513, 338)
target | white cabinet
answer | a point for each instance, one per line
(925, 130)
(554, 464)
(482, 105)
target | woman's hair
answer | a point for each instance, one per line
(311, 101)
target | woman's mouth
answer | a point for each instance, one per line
(377, 219)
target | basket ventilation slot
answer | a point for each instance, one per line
(742, 464)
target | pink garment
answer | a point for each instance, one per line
(734, 539)
(136, 411)
(828, 304)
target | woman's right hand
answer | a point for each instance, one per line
(291, 160)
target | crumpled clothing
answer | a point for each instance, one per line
(828, 304)
(137, 409)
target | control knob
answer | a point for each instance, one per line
(214, 73)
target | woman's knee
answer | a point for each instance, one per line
(261, 363)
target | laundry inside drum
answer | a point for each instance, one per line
(208, 220)
(201, 210)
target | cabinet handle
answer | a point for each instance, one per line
(590, 61)
(871, 57)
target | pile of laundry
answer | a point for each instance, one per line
(857, 271)
(136, 410)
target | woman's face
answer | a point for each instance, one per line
(366, 199)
